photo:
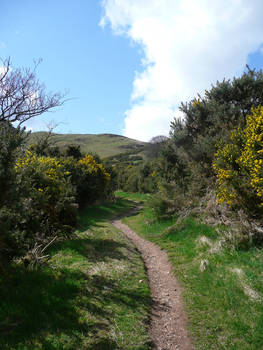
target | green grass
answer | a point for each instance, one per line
(92, 294)
(222, 309)
(138, 197)
(105, 145)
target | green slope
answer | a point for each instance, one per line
(105, 145)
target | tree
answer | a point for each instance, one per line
(155, 146)
(22, 96)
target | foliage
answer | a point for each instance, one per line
(239, 166)
(11, 142)
(44, 207)
(167, 201)
(186, 161)
(90, 179)
(211, 118)
(73, 151)
(155, 146)
(46, 192)
(141, 177)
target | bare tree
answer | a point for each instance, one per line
(22, 96)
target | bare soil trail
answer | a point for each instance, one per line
(168, 327)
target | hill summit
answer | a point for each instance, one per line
(105, 145)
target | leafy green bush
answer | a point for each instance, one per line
(167, 201)
(11, 141)
(141, 177)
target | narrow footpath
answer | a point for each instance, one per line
(168, 328)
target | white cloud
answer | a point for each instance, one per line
(2, 44)
(38, 124)
(187, 45)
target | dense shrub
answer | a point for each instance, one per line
(48, 186)
(73, 151)
(11, 142)
(167, 201)
(90, 179)
(48, 192)
(45, 205)
(141, 177)
(95, 181)
(239, 166)
(208, 120)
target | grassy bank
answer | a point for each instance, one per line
(105, 145)
(225, 301)
(92, 293)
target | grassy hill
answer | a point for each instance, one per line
(105, 145)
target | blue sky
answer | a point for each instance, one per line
(96, 66)
(128, 64)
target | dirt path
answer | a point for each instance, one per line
(168, 328)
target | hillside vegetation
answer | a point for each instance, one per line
(104, 145)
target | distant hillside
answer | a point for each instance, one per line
(105, 145)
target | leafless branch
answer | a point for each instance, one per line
(22, 96)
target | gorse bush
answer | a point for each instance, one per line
(11, 141)
(48, 192)
(51, 194)
(94, 182)
(44, 206)
(215, 147)
(90, 179)
(239, 166)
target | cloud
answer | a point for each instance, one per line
(2, 44)
(39, 123)
(187, 45)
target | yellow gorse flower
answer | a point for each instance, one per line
(237, 165)
(92, 166)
